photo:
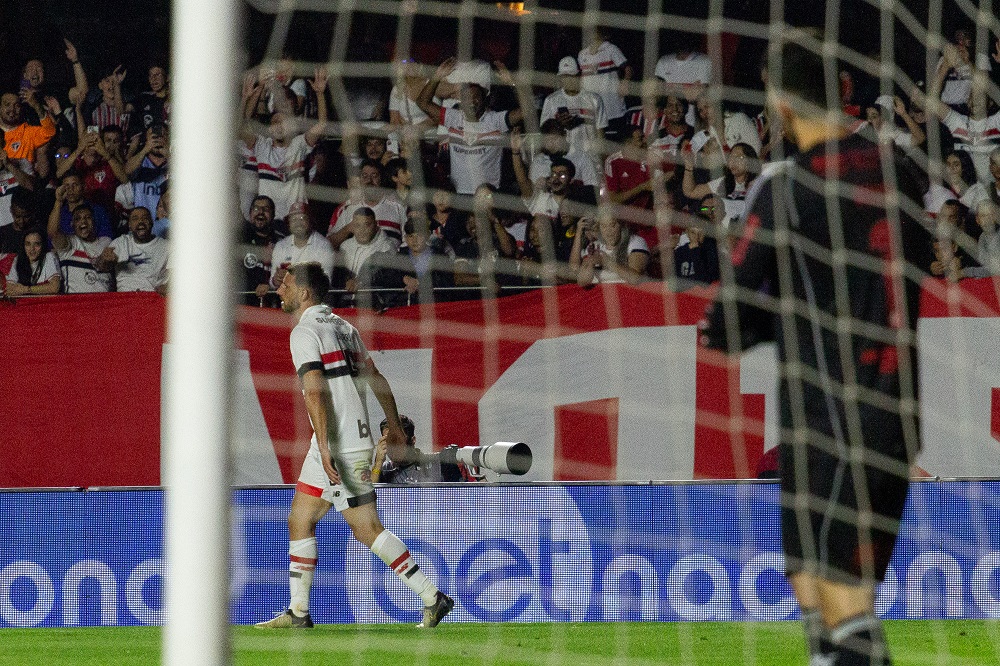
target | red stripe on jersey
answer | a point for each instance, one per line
(81, 254)
(303, 560)
(749, 231)
(332, 357)
(306, 489)
(399, 560)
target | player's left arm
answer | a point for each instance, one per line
(379, 385)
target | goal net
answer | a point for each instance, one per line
(573, 184)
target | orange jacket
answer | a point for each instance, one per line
(23, 140)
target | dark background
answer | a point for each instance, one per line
(112, 32)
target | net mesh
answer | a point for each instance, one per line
(609, 384)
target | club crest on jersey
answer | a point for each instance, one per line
(15, 146)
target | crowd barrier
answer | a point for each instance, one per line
(505, 552)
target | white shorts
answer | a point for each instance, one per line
(355, 487)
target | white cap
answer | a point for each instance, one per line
(568, 66)
(475, 71)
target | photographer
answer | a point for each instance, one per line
(405, 463)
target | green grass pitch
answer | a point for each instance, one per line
(916, 643)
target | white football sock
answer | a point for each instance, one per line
(302, 556)
(394, 553)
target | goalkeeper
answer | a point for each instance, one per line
(832, 253)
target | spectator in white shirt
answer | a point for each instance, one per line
(367, 240)
(605, 69)
(302, 244)
(686, 72)
(580, 112)
(139, 258)
(35, 271)
(476, 135)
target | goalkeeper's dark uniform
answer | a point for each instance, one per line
(820, 275)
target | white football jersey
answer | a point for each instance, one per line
(325, 342)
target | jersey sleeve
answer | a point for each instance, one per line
(600, 115)
(616, 55)
(548, 109)
(660, 71)
(361, 354)
(306, 353)
(754, 265)
(50, 268)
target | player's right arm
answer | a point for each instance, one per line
(319, 404)
(308, 360)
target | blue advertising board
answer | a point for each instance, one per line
(538, 553)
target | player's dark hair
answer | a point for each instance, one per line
(310, 274)
(563, 162)
(408, 426)
(803, 74)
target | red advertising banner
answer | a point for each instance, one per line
(605, 383)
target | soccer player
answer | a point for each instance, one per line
(830, 265)
(336, 372)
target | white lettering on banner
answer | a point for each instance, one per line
(651, 370)
(958, 370)
(45, 597)
(537, 568)
(951, 588)
(755, 606)
(982, 589)
(613, 595)
(137, 578)
(409, 374)
(254, 461)
(886, 591)
(759, 374)
(718, 606)
(105, 577)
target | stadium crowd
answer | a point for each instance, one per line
(449, 180)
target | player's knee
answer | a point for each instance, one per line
(367, 531)
(301, 525)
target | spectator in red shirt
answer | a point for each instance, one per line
(100, 170)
